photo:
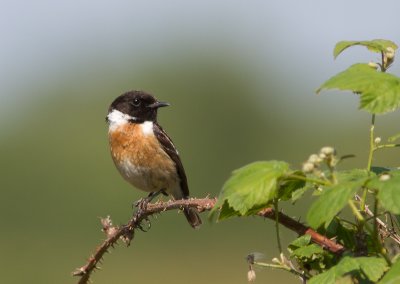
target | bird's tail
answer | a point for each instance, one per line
(193, 217)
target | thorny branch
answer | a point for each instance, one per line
(126, 232)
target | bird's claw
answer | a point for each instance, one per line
(148, 223)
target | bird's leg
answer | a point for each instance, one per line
(141, 204)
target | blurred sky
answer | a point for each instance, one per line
(58, 41)
(241, 78)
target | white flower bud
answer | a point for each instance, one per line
(314, 159)
(328, 151)
(384, 177)
(308, 167)
(276, 261)
(251, 275)
(389, 52)
(283, 258)
(373, 65)
(377, 140)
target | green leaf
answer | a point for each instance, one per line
(379, 92)
(388, 192)
(357, 175)
(394, 137)
(308, 251)
(301, 241)
(330, 202)
(372, 267)
(393, 275)
(327, 277)
(227, 212)
(343, 232)
(376, 45)
(251, 187)
(333, 199)
(288, 185)
(296, 195)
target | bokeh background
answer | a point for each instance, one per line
(241, 79)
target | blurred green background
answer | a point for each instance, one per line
(240, 76)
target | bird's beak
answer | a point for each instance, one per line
(158, 104)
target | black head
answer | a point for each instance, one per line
(139, 105)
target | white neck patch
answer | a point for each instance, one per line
(147, 128)
(117, 118)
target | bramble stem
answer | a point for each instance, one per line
(126, 232)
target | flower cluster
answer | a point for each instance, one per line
(327, 155)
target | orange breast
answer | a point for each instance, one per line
(141, 159)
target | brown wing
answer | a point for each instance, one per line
(170, 149)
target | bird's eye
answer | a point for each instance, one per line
(136, 102)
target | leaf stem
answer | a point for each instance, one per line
(278, 238)
(376, 231)
(356, 212)
(371, 143)
(378, 243)
(312, 180)
(279, 266)
(372, 148)
(387, 146)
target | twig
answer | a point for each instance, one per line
(382, 226)
(126, 232)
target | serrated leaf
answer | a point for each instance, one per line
(388, 192)
(307, 251)
(251, 187)
(393, 275)
(376, 45)
(226, 212)
(301, 241)
(331, 201)
(372, 267)
(379, 92)
(345, 265)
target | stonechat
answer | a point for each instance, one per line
(143, 152)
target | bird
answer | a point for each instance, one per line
(142, 151)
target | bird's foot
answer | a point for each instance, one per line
(145, 225)
(141, 204)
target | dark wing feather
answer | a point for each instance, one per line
(170, 149)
